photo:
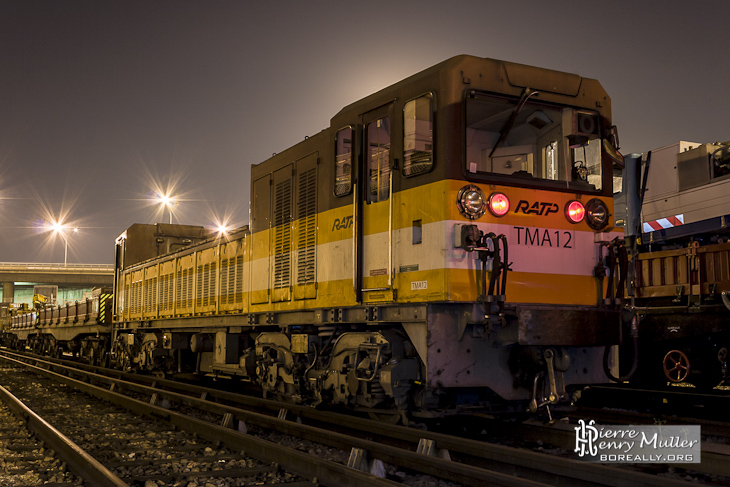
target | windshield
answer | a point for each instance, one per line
(542, 143)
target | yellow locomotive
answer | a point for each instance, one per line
(440, 244)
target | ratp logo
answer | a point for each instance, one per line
(585, 438)
(343, 224)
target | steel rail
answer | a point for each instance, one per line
(325, 472)
(507, 460)
(713, 461)
(81, 463)
(464, 474)
(502, 458)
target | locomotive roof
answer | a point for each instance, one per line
(505, 74)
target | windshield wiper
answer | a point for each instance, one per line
(526, 94)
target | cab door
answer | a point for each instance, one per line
(377, 206)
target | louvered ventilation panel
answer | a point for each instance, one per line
(179, 290)
(225, 271)
(307, 226)
(282, 235)
(239, 279)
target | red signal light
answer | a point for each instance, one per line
(498, 204)
(575, 211)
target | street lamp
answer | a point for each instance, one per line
(61, 229)
(167, 201)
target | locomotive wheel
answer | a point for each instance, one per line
(676, 366)
(53, 348)
(87, 351)
(104, 358)
(121, 359)
(93, 355)
(47, 345)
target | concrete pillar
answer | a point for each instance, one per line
(8, 292)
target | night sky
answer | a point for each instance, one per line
(103, 102)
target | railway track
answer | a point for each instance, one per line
(108, 445)
(25, 458)
(361, 443)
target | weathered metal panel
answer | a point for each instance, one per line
(260, 229)
(694, 270)
(568, 326)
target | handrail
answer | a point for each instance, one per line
(35, 266)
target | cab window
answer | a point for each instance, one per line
(378, 159)
(343, 162)
(533, 143)
(418, 135)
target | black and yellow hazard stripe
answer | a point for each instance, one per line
(103, 308)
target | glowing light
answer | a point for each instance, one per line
(58, 228)
(498, 204)
(167, 201)
(172, 196)
(58, 221)
(221, 227)
(575, 212)
(165, 196)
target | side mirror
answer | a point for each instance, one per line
(613, 137)
(611, 147)
(615, 155)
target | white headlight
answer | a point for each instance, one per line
(471, 201)
(597, 214)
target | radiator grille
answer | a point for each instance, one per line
(307, 205)
(282, 235)
(239, 279)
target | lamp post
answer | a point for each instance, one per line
(65, 249)
(61, 229)
(168, 201)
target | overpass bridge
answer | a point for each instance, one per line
(62, 275)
